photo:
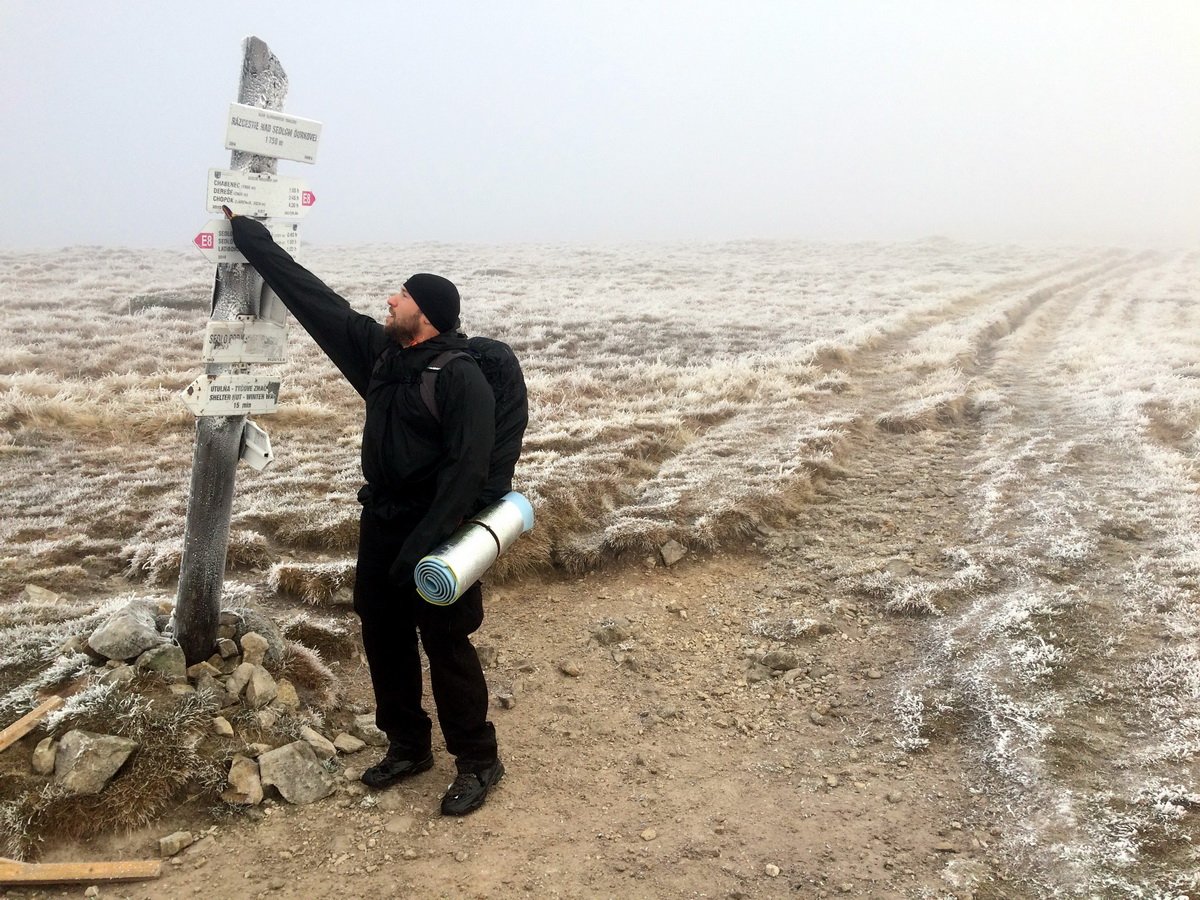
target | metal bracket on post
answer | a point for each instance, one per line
(256, 447)
(271, 308)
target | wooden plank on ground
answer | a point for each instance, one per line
(13, 872)
(28, 722)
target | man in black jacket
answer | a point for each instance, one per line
(423, 479)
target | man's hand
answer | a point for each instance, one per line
(229, 213)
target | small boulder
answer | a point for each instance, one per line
(245, 785)
(173, 843)
(224, 666)
(165, 659)
(347, 743)
(200, 669)
(207, 683)
(613, 631)
(254, 648)
(247, 619)
(781, 660)
(34, 594)
(672, 552)
(236, 683)
(286, 694)
(572, 668)
(296, 773)
(221, 726)
(267, 718)
(321, 745)
(85, 761)
(365, 730)
(74, 644)
(261, 689)
(43, 757)
(227, 648)
(127, 633)
(118, 675)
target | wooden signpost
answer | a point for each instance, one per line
(245, 328)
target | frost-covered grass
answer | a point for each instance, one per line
(675, 390)
(1075, 668)
(690, 391)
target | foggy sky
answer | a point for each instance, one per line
(546, 121)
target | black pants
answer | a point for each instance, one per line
(391, 618)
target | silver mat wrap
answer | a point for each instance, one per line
(443, 575)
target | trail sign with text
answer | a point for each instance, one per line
(245, 340)
(231, 395)
(215, 240)
(258, 195)
(269, 133)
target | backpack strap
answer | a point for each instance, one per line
(429, 379)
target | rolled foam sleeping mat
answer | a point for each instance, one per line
(443, 575)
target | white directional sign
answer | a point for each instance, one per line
(215, 241)
(270, 133)
(259, 195)
(245, 340)
(231, 395)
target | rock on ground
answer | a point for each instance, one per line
(85, 761)
(366, 730)
(166, 659)
(322, 746)
(127, 633)
(296, 773)
(245, 784)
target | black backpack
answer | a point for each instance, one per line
(503, 373)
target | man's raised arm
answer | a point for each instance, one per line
(349, 338)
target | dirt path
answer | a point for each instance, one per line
(666, 767)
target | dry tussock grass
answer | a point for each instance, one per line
(668, 385)
(321, 584)
(940, 400)
(328, 637)
(315, 681)
(158, 562)
(168, 761)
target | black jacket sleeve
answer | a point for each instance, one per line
(467, 409)
(350, 339)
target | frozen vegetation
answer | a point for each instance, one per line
(670, 387)
(698, 392)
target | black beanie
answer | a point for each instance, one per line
(437, 297)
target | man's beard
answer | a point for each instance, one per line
(403, 333)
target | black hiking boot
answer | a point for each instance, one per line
(394, 767)
(470, 789)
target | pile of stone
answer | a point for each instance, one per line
(132, 641)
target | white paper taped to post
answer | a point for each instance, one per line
(444, 574)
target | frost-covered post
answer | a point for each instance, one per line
(219, 438)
